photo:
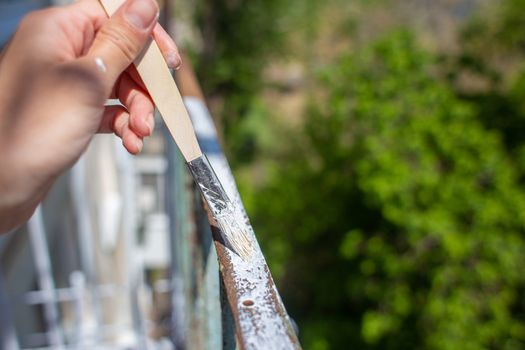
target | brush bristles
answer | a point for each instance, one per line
(230, 220)
(235, 235)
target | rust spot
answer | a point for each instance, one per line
(248, 302)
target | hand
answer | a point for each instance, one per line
(55, 76)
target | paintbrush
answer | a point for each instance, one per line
(164, 92)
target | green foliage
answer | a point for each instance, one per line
(239, 38)
(398, 220)
(493, 52)
(502, 31)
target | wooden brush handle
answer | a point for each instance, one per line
(157, 78)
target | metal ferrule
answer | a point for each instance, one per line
(210, 187)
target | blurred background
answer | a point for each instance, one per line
(379, 149)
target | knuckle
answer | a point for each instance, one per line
(119, 125)
(81, 79)
(121, 39)
(31, 20)
(42, 19)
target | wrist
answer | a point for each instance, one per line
(18, 196)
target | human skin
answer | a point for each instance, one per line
(55, 76)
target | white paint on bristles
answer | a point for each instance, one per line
(236, 233)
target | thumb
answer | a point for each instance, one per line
(122, 38)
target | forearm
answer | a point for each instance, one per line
(20, 190)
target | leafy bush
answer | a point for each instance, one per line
(398, 221)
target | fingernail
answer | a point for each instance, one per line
(150, 123)
(173, 60)
(177, 67)
(141, 13)
(139, 145)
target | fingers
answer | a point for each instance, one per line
(92, 9)
(167, 46)
(139, 105)
(117, 43)
(135, 121)
(117, 120)
(120, 40)
(131, 141)
(169, 50)
(108, 119)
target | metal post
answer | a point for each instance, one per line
(77, 281)
(46, 283)
(129, 229)
(80, 198)
(8, 339)
(175, 207)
